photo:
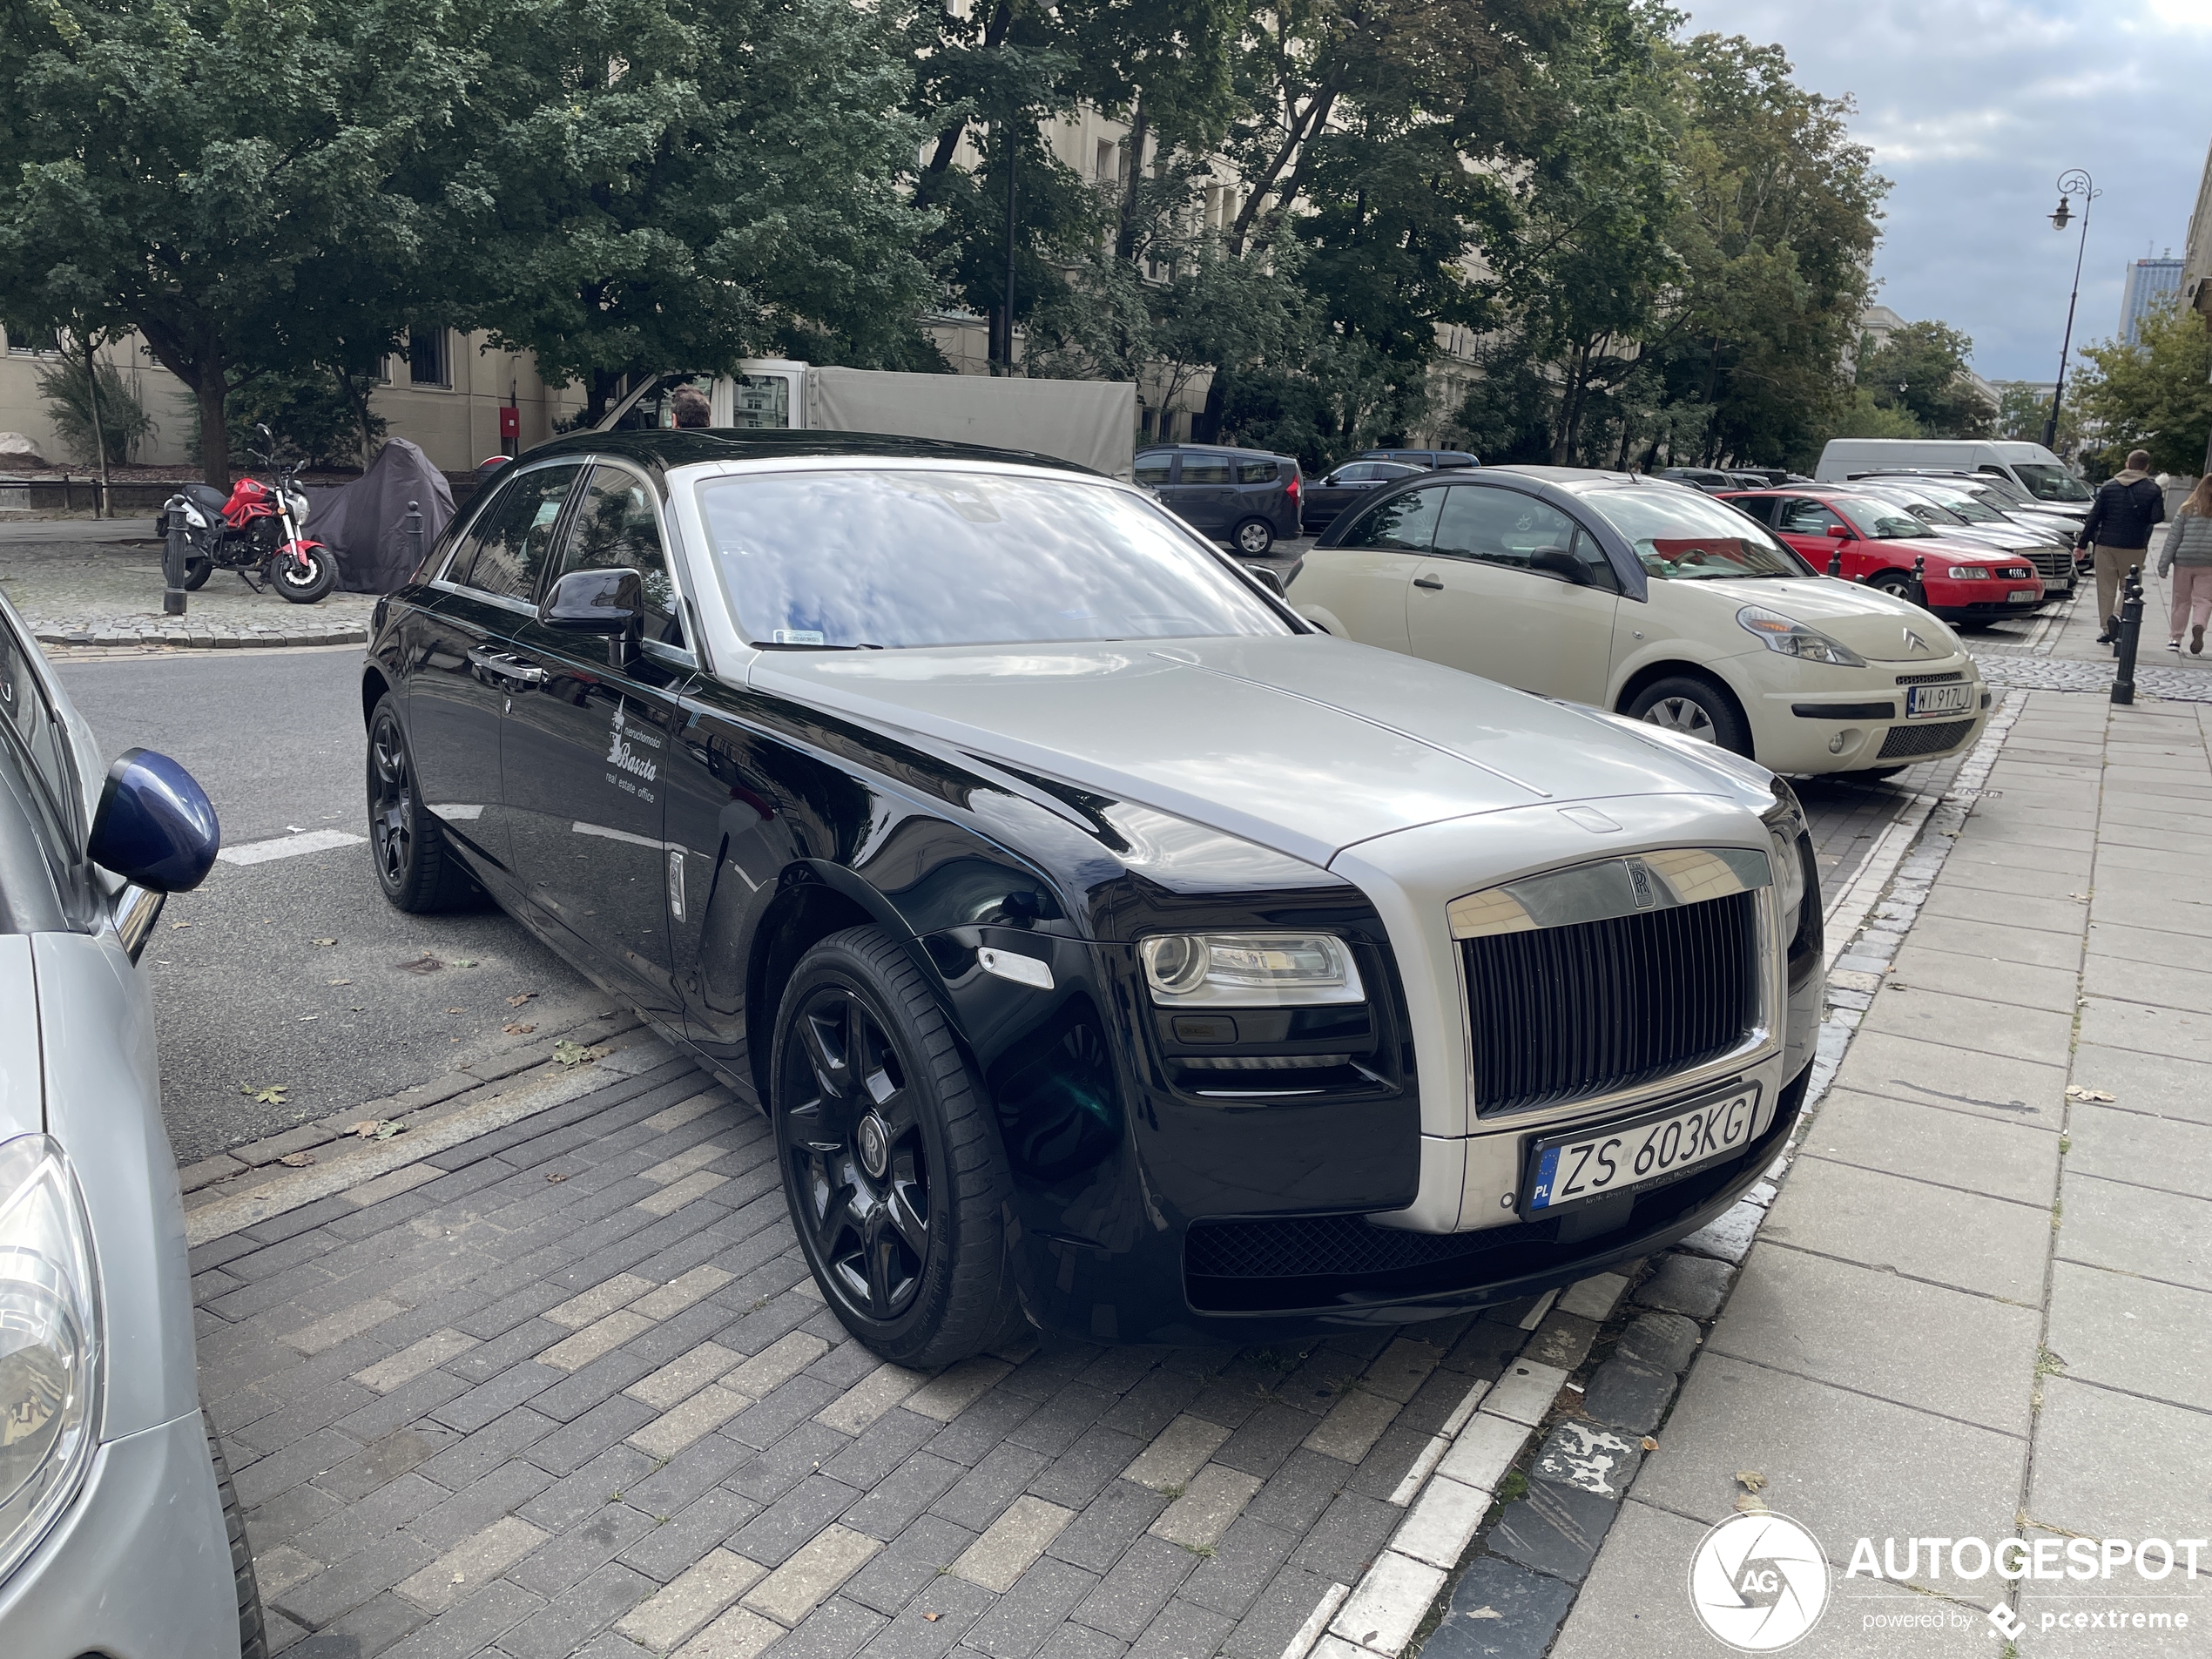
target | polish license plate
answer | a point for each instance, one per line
(1626, 1156)
(1938, 699)
(2021, 596)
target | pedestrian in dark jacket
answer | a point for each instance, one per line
(2121, 520)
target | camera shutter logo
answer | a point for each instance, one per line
(1758, 1583)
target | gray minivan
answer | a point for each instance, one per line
(1244, 497)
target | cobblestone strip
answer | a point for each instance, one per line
(1495, 1549)
(510, 1408)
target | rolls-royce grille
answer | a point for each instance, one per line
(1907, 740)
(1563, 1013)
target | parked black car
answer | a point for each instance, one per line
(1333, 493)
(1102, 940)
(1245, 497)
(1711, 480)
(1433, 459)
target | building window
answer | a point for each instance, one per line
(426, 358)
(47, 342)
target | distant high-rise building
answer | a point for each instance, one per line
(2148, 282)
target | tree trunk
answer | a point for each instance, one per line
(1140, 128)
(948, 140)
(355, 393)
(210, 392)
(99, 437)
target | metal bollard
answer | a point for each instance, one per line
(415, 538)
(1920, 580)
(2131, 629)
(172, 560)
(1835, 563)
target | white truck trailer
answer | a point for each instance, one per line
(1091, 422)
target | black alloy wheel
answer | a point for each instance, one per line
(891, 1168)
(413, 868)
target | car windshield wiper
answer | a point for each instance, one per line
(787, 644)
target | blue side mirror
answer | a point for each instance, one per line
(155, 826)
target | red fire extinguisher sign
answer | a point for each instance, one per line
(510, 427)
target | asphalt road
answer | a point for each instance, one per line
(245, 996)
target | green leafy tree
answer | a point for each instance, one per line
(2156, 394)
(212, 175)
(1921, 371)
(71, 396)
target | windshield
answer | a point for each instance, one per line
(1917, 504)
(1878, 520)
(2047, 483)
(892, 558)
(1685, 538)
(1960, 502)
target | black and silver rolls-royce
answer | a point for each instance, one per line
(1106, 944)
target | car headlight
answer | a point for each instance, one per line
(49, 1343)
(1792, 638)
(1249, 970)
(1788, 875)
(1968, 573)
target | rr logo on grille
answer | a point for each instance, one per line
(1640, 883)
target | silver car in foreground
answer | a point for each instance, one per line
(119, 1533)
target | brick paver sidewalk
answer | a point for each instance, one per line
(566, 1388)
(1981, 1307)
(110, 593)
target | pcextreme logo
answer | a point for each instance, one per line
(1758, 1583)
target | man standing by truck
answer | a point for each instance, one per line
(2121, 520)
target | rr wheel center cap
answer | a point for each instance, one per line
(872, 1141)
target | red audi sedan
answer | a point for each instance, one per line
(1966, 580)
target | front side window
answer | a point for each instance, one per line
(1404, 523)
(2047, 483)
(1205, 469)
(1802, 517)
(1154, 469)
(892, 558)
(1359, 472)
(1682, 536)
(1506, 528)
(615, 528)
(509, 553)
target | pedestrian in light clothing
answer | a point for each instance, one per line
(2188, 555)
(2119, 527)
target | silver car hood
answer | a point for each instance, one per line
(1304, 743)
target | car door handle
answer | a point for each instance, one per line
(1435, 583)
(521, 673)
(503, 666)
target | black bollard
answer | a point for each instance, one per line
(415, 537)
(2131, 629)
(1920, 580)
(1835, 563)
(172, 560)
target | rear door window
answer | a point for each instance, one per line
(508, 554)
(1205, 469)
(1256, 472)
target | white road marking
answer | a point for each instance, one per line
(288, 846)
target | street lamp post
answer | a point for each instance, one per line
(2076, 182)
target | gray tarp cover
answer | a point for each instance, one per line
(365, 523)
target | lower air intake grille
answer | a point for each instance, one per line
(1332, 1247)
(1904, 741)
(1564, 1012)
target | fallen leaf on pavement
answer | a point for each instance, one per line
(518, 1030)
(326, 941)
(1749, 1503)
(462, 962)
(557, 1178)
(272, 1095)
(175, 925)
(298, 1160)
(517, 1001)
(1751, 1479)
(426, 963)
(933, 1617)
(375, 1129)
(1650, 1445)
(2074, 1091)
(575, 1053)
(457, 1011)
(341, 981)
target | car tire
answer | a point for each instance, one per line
(1254, 537)
(195, 574)
(415, 869)
(892, 1167)
(304, 585)
(1897, 584)
(1695, 706)
(252, 1631)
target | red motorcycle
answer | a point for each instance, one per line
(255, 530)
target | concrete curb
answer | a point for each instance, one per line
(181, 639)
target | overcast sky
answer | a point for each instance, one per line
(1973, 108)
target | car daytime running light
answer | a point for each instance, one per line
(1249, 970)
(1968, 573)
(1788, 875)
(1792, 638)
(49, 1343)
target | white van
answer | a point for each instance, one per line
(2034, 469)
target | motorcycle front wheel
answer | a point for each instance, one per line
(304, 584)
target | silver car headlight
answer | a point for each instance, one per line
(1249, 970)
(1968, 573)
(49, 1343)
(1788, 875)
(1792, 638)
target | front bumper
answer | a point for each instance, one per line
(139, 1567)
(1854, 719)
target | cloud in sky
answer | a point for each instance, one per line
(1972, 109)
